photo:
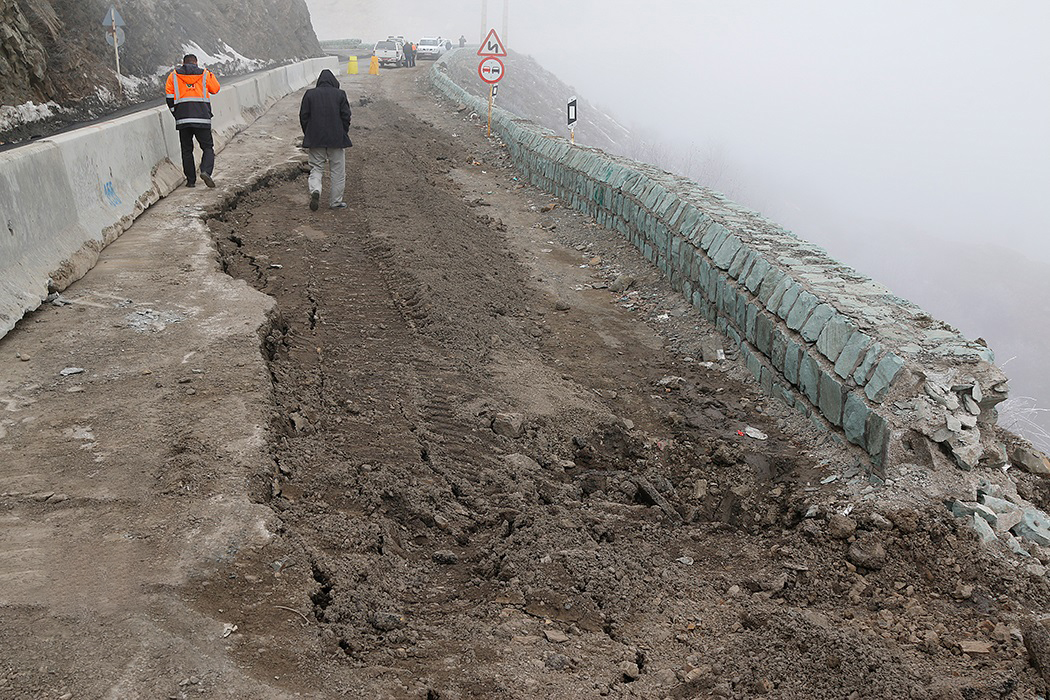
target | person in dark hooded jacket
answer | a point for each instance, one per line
(325, 118)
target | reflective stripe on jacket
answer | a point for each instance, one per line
(189, 92)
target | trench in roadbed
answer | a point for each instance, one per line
(432, 423)
(418, 524)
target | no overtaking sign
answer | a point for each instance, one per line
(491, 70)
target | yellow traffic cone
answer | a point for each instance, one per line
(373, 66)
(351, 66)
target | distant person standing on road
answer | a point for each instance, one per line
(448, 45)
(410, 54)
(189, 92)
(462, 41)
(325, 118)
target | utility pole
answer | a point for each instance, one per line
(506, 16)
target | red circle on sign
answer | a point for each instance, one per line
(491, 70)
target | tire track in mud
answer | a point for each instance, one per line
(369, 408)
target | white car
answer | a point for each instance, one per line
(430, 47)
(389, 53)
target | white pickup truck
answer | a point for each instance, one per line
(389, 53)
(430, 47)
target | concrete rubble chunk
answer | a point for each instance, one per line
(1036, 635)
(964, 509)
(982, 528)
(1005, 515)
(942, 396)
(966, 449)
(868, 552)
(1034, 526)
(1031, 461)
(509, 425)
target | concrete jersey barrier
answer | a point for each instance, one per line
(816, 334)
(63, 199)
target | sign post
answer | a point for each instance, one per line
(491, 69)
(571, 116)
(115, 36)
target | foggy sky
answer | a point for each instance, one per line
(840, 119)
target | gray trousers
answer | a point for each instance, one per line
(336, 159)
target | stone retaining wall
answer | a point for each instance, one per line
(815, 333)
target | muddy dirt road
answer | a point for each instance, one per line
(464, 467)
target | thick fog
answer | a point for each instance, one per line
(911, 139)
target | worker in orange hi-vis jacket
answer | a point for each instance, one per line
(189, 92)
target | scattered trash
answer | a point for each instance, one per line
(151, 321)
(228, 629)
(829, 479)
(755, 433)
(687, 561)
(275, 266)
(70, 371)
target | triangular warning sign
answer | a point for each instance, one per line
(113, 17)
(492, 46)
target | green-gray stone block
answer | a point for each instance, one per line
(714, 237)
(831, 398)
(740, 261)
(778, 350)
(769, 284)
(776, 297)
(764, 335)
(753, 364)
(749, 325)
(766, 381)
(723, 257)
(811, 329)
(801, 310)
(855, 418)
(758, 273)
(790, 297)
(876, 437)
(851, 354)
(885, 372)
(792, 357)
(809, 379)
(834, 337)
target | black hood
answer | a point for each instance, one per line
(189, 69)
(327, 78)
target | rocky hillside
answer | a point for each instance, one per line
(533, 92)
(54, 51)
